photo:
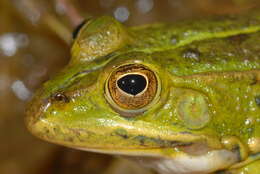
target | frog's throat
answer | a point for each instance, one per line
(181, 163)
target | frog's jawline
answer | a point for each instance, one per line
(180, 164)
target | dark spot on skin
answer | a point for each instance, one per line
(108, 56)
(141, 139)
(47, 131)
(77, 132)
(122, 133)
(60, 97)
(238, 39)
(77, 29)
(223, 172)
(257, 100)
(70, 139)
(236, 149)
(254, 81)
(191, 54)
(162, 143)
(187, 133)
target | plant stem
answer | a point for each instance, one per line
(71, 12)
(36, 14)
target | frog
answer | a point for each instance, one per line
(178, 98)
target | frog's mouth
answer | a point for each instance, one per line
(182, 153)
(165, 148)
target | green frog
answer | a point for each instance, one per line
(181, 98)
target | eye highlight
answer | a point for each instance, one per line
(131, 87)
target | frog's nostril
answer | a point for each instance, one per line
(60, 97)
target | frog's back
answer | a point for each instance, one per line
(217, 45)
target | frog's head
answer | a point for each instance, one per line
(115, 98)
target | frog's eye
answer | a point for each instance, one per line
(131, 88)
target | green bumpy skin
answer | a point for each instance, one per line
(209, 99)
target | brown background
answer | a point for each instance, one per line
(30, 53)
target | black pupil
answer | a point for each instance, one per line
(132, 84)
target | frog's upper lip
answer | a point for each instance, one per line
(167, 148)
(187, 148)
(142, 140)
(196, 146)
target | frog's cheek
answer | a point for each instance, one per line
(193, 110)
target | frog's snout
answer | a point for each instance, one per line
(35, 111)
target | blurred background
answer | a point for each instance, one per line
(35, 39)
